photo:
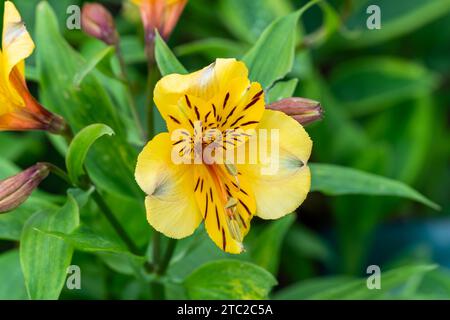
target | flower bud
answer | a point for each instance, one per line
(16, 189)
(97, 22)
(303, 110)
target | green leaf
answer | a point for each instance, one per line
(331, 24)
(371, 84)
(397, 18)
(192, 253)
(336, 180)
(87, 240)
(390, 280)
(229, 279)
(11, 278)
(11, 224)
(103, 55)
(310, 287)
(80, 147)
(272, 56)
(166, 60)
(45, 259)
(347, 288)
(281, 90)
(113, 252)
(247, 19)
(110, 163)
(265, 250)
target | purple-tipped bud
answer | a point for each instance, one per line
(303, 110)
(98, 22)
(16, 189)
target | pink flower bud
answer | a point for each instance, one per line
(16, 189)
(303, 110)
(97, 22)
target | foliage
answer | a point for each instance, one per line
(380, 174)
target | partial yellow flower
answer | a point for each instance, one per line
(161, 15)
(19, 110)
(225, 195)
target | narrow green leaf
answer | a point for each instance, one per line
(247, 19)
(101, 56)
(348, 288)
(310, 287)
(11, 224)
(281, 90)
(110, 250)
(272, 56)
(229, 279)
(331, 24)
(335, 180)
(79, 149)
(390, 280)
(11, 278)
(87, 240)
(166, 60)
(45, 259)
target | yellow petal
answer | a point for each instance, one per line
(203, 84)
(170, 203)
(281, 184)
(212, 189)
(16, 42)
(241, 114)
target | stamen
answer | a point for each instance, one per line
(231, 168)
(232, 202)
(234, 225)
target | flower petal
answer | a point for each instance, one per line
(212, 189)
(17, 43)
(204, 84)
(170, 202)
(282, 183)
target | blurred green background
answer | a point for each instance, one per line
(385, 94)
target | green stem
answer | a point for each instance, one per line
(131, 102)
(59, 172)
(109, 215)
(167, 256)
(157, 290)
(156, 254)
(152, 77)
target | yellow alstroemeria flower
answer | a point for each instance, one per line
(18, 108)
(225, 195)
(160, 14)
